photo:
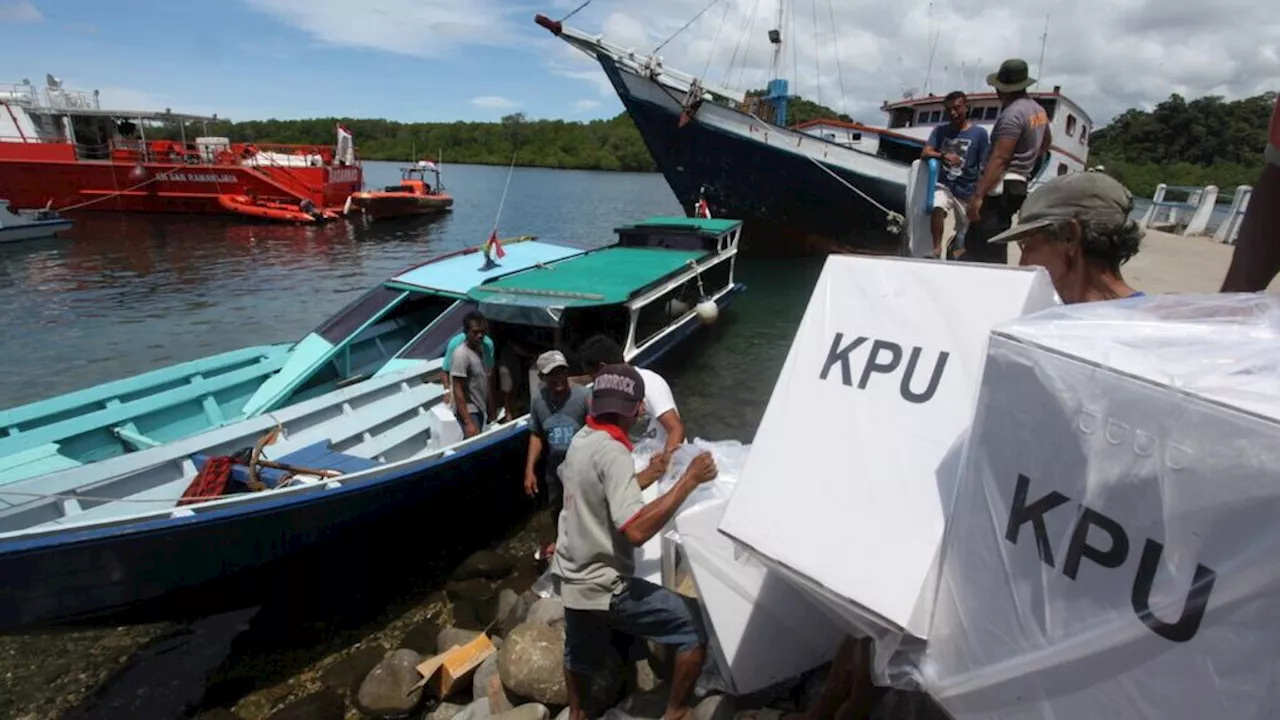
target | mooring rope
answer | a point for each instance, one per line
(118, 193)
(892, 219)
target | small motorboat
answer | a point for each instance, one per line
(413, 196)
(18, 225)
(302, 212)
(90, 540)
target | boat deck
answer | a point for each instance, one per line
(456, 275)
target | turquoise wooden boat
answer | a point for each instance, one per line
(90, 540)
(404, 321)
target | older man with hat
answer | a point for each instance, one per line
(1078, 228)
(605, 518)
(1019, 139)
(558, 412)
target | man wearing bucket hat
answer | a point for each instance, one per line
(557, 413)
(1019, 139)
(605, 517)
(1078, 228)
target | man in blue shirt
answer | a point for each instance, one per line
(961, 148)
(558, 412)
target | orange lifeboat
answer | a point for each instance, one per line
(303, 212)
(413, 196)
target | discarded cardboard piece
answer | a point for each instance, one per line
(446, 670)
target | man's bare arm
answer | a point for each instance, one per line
(1256, 259)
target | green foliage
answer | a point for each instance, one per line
(612, 144)
(1206, 141)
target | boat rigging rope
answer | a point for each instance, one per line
(575, 11)
(835, 41)
(685, 26)
(118, 193)
(716, 41)
(893, 220)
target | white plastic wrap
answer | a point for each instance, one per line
(1112, 548)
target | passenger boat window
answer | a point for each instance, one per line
(655, 317)
(992, 113)
(431, 344)
(357, 313)
(1071, 125)
(1084, 135)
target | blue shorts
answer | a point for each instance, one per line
(477, 418)
(641, 609)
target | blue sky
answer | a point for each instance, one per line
(412, 60)
(441, 60)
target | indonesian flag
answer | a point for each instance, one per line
(703, 210)
(494, 245)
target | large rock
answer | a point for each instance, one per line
(466, 614)
(487, 683)
(485, 564)
(651, 705)
(450, 636)
(478, 710)
(347, 673)
(531, 663)
(445, 711)
(475, 589)
(547, 611)
(530, 711)
(324, 705)
(518, 611)
(421, 638)
(387, 692)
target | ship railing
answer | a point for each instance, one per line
(29, 139)
(60, 99)
(19, 93)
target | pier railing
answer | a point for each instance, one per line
(1193, 215)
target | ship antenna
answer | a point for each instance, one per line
(1044, 40)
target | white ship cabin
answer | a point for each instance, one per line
(53, 115)
(911, 121)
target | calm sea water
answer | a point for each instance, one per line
(122, 294)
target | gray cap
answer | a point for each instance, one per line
(550, 360)
(1090, 197)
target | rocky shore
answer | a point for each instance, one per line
(322, 671)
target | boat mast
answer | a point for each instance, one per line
(777, 93)
(1044, 40)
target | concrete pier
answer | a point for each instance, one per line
(1169, 263)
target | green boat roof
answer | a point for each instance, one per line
(714, 226)
(609, 276)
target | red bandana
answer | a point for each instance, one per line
(614, 431)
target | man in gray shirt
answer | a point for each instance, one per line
(1019, 139)
(558, 412)
(605, 518)
(472, 385)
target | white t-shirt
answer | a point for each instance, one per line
(657, 400)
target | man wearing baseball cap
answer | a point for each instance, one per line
(557, 414)
(605, 518)
(1078, 228)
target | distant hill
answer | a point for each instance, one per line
(1207, 141)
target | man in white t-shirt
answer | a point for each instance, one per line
(659, 418)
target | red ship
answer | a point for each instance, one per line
(61, 146)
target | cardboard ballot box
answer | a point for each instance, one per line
(1113, 548)
(841, 490)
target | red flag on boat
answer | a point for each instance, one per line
(703, 209)
(495, 245)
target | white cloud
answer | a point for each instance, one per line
(586, 105)
(493, 102)
(423, 28)
(1107, 55)
(19, 11)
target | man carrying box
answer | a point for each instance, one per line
(604, 518)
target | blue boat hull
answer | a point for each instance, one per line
(94, 574)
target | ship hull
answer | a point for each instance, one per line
(379, 206)
(783, 184)
(71, 183)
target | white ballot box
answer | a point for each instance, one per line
(843, 489)
(1113, 548)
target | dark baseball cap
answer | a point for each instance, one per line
(1089, 197)
(618, 390)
